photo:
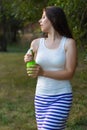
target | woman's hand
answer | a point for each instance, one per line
(34, 71)
(28, 57)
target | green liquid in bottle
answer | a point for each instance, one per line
(30, 63)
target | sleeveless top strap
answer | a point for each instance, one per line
(41, 44)
(63, 42)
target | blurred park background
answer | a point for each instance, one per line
(18, 27)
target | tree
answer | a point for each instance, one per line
(15, 14)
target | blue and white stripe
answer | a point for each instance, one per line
(52, 111)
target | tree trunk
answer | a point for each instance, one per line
(3, 41)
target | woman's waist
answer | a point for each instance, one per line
(50, 82)
(52, 87)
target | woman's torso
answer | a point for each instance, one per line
(51, 59)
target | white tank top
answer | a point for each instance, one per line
(51, 59)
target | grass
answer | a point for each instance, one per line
(17, 95)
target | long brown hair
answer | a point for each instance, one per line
(58, 19)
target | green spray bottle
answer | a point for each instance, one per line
(30, 63)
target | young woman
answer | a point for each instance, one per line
(56, 59)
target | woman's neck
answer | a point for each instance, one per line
(53, 36)
(53, 40)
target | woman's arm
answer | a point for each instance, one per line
(34, 46)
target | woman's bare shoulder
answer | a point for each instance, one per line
(35, 44)
(70, 42)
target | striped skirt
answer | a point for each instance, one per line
(52, 111)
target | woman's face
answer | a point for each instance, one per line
(45, 23)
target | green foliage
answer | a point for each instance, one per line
(21, 10)
(18, 13)
(76, 11)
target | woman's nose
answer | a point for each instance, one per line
(39, 21)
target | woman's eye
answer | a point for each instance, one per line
(43, 17)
